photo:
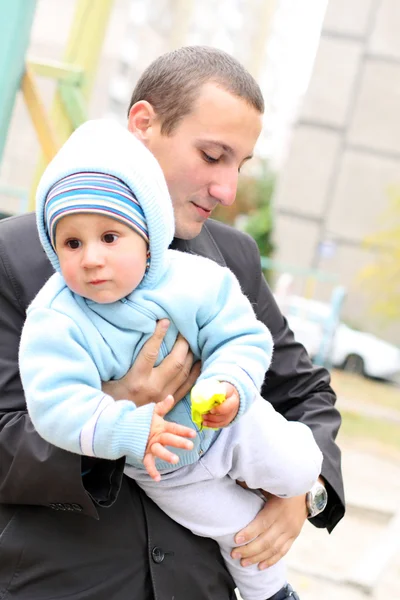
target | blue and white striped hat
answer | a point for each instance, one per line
(135, 189)
(97, 193)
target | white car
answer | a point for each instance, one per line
(346, 348)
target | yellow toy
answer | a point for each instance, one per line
(204, 396)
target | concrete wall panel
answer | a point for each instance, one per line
(304, 181)
(295, 240)
(362, 195)
(376, 121)
(329, 93)
(385, 39)
(348, 16)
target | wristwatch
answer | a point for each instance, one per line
(316, 499)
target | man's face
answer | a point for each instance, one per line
(201, 159)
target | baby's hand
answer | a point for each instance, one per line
(223, 414)
(164, 433)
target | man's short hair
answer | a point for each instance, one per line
(171, 83)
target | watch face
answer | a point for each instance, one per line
(320, 499)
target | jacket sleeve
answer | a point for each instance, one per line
(235, 346)
(294, 386)
(64, 397)
(32, 471)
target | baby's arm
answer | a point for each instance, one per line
(235, 347)
(64, 397)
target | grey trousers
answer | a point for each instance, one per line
(261, 448)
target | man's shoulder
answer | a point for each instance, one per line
(240, 253)
(17, 225)
(24, 262)
(226, 234)
(237, 247)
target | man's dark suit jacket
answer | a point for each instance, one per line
(95, 537)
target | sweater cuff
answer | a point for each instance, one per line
(130, 433)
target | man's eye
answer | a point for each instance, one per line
(73, 244)
(210, 159)
(109, 238)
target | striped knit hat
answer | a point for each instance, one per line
(93, 193)
(134, 189)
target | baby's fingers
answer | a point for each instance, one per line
(159, 451)
(176, 441)
(178, 430)
(150, 466)
(228, 406)
(215, 421)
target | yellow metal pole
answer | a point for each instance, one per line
(83, 50)
(43, 127)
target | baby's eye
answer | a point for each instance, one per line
(109, 238)
(73, 244)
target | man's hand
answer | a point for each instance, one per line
(272, 532)
(223, 414)
(163, 433)
(145, 383)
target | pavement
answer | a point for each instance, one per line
(360, 559)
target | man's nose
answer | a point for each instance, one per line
(92, 256)
(225, 189)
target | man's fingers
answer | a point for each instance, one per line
(264, 564)
(147, 357)
(188, 383)
(259, 525)
(260, 548)
(264, 550)
(176, 366)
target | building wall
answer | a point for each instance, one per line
(344, 154)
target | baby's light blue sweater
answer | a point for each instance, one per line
(70, 345)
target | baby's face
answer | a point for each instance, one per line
(101, 259)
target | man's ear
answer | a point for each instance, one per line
(141, 119)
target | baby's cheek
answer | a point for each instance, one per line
(71, 278)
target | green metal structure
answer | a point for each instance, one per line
(16, 18)
(75, 75)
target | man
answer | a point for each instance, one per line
(75, 529)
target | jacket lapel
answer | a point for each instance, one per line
(203, 245)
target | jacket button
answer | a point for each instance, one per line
(157, 554)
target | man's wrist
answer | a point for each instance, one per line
(116, 389)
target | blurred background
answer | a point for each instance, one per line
(321, 198)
